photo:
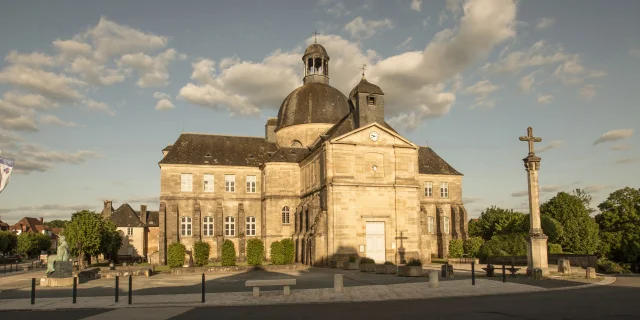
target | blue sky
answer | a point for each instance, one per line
(90, 92)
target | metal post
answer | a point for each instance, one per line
(473, 273)
(75, 288)
(129, 289)
(117, 289)
(504, 273)
(33, 290)
(203, 287)
(5, 269)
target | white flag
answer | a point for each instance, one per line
(6, 167)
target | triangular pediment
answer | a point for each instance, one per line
(373, 134)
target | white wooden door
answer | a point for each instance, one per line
(375, 241)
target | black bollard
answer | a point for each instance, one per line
(130, 289)
(473, 273)
(203, 287)
(117, 289)
(504, 273)
(75, 288)
(33, 290)
(5, 269)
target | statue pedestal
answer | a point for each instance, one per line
(62, 269)
(56, 282)
(537, 254)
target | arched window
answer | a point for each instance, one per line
(185, 226)
(446, 225)
(251, 226)
(229, 226)
(285, 215)
(207, 226)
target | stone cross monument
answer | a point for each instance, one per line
(536, 240)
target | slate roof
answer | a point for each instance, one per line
(312, 103)
(167, 148)
(153, 219)
(348, 124)
(29, 225)
(293, 155)
(365, 87)
(125, 216)
(4, 226)
(430, 163)
(203, 149)
(315, 48)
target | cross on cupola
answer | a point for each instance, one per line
(364, 67)
(315, 36)
(531, 139)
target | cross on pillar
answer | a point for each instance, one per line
(531, 139)
(401, 248)
(364, 67)
(315, 35)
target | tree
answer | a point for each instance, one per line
(619, 223)
(512, 244)
(175, 255)
(201, 253)
(228, 253)
(255, 252)
(56, 223)
(8, 242)
(585, 198)
(580, 231)
(85, 235)
(32, 243)
(277, 253)
(289, 250)
(111, 240)
(550, 226)
(472, 246)
(456, 248)
(495, 221)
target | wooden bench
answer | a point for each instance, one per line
(256, 284)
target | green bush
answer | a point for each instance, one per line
(175, 255)
(289, 251)
(456, 248)
(277, 253)
(255, 252)
(389, 263)
(201, 253)
(555, 248)
(608, 266)
(366, 260)
(414, 263)
(352, 258)
(472, 246)
(228, 253)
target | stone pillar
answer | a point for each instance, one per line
(241, 226)
(218, 227)
(197, 221)
(464, 225)
(174, 224)
(162, 233)
(442, 237)
(455, 224)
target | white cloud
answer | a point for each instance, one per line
(552, 145)
(545, 23)
(614, 135)
(406, 44)
(361, 29)
(595, 188)
(620, 147)
(416, 5)
(20, 123)
(482, 90)
(152, 70)
(49, 84)
(527, 82)
(144, 199)
(628, 160)
(99, 106)
(51, 119)
(34, 101)
(572, 72)
(588, 91)
(544, 98)
(161, 95)
(335, 8)
(164, 104)
(635, 52)
(68, 49)
(542, 189)
(35, 59)
(539, 54)
(95, 72)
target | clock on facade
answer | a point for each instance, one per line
(373, 136)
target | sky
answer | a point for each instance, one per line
(92, 91)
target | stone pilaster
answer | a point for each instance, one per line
(218, 227)
(196, 221)
(174, 226)
(536, 240)
(443, 237)
(162, 232)
(455, 223)
(464, 226)
(242, 232)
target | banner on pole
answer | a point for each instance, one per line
(6, 167)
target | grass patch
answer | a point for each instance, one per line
(239, 264)
(162, 269)
(438, 260)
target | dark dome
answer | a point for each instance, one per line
(316, 48)
(312, 103)
(365, 87)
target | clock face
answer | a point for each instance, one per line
(373, 136)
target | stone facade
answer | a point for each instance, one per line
(139, 230)
(330, 174)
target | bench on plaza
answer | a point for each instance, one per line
(256, 284)
(513, 271)
(490, 269)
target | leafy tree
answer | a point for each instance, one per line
(472, 246)
(111, 240)
(554, 248)
(289, 250)
(277, 253)
(495, 221)
(456, 249)
(228, 253)
(84, 235)
(201, 252)
(56, 223)
(512, 244)
(255, 252)
(619, 223)
(32, 243)
(175, 255)
(551, 227)
(585, 198)
(8, 242)
(580, 231)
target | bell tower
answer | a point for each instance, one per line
(316, 63)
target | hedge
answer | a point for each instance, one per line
(456, 248)
(175, 255)
(228, 253)
(201, 253)
(555, 248)
(255, 252)
(277, 253)
(289, 251)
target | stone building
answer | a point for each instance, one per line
(139, 230)
(329, 173)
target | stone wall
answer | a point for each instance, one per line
(234, 269)
(305, 133)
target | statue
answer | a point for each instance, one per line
(62, 255)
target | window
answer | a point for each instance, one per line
(430, 224)
(185, 226)
(230, 182)
(208, 183)
(444, 190)
(251, 226)
(428, 189)
(251, 184)
(285, 215)
(186, 182)
(129, 231)
(207, 226)
(371, 101)
(446, 225)
(229, 226)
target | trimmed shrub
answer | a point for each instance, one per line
(555, 248)
(608, 266)
(472, 246)
(255, 252)
(277, 253)
(228, 253)
(352, 258)
(456, 248)
(414, 263)
(389, 263)
(201, 253)
(367, 260)
(289, 251)
(175, 255)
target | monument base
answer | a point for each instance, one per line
(537, 254)
(56, 282)
(63, 269)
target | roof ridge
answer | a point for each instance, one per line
(222, 135)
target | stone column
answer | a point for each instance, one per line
(241, 227)
(536, 240)
(162, 235)
(218, 227)
(196, 221)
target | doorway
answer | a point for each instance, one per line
(375, 241)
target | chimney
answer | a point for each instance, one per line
(270, 129)
(41, 220)
(143, 213)
(108, 209)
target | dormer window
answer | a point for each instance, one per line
(371, 100)
(208, 155)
